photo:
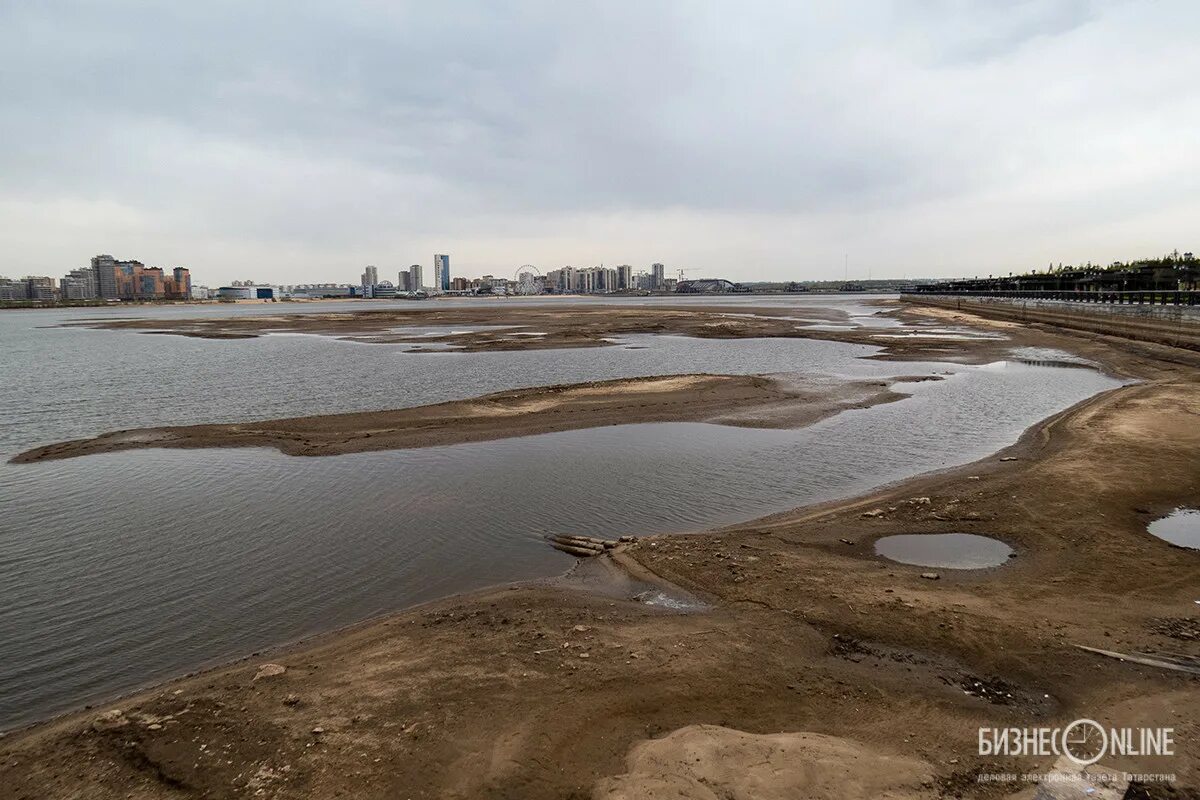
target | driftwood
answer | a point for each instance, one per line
(1177, 663)
(581, 546)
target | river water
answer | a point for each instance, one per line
(120, 569)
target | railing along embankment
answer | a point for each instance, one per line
(1163, 317)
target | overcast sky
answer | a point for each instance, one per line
(299, 141)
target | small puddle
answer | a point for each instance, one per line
(1181, 528)
(960, 337)
(945, 550)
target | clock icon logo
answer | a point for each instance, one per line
(1084, 741)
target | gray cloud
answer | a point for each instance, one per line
(296, 141)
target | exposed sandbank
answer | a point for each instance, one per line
(746, 400)
(499, 327)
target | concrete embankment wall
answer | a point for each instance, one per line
(1174, 325)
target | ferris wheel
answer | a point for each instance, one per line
(527, 278)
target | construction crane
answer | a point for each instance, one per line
(682, 271)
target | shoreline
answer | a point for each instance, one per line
(1036, 443)
(810, 536)
(544, 326)
(742, 400)
(619, 557)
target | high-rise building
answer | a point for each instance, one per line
(37, 288)
(133, 280)
(418, 281)
(370, 277)
(624, 277)
(105, 267)
(441, 271)
(148, 282)
(404, 284)
(179, 285)
(79, 284)
(657, 276)
(129, 279)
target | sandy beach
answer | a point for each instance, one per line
(793, 661)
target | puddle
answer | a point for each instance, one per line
(960, 337)
(1181, 528)
(945, 550)
(826, 327)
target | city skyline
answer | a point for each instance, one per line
(108, 278)
(759, 144)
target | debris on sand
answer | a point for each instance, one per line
(269, 671)
(995, 690)
(1185, 629)
(581, 546)
(109, 720)
(1188, 664)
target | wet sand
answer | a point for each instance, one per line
(534, 326)
(814, 669)
(746, 400)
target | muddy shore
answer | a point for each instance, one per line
(482, 328)
(747, 400)
(810, 649)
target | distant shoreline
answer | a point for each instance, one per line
(11, 305)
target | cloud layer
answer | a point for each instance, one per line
(295, 142)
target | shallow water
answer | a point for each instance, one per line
(944, 550)
(1181, 527)
(125, 568)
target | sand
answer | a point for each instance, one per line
(814, 665)
(509, 327)
(745, 400)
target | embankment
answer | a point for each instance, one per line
(1177, 326)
